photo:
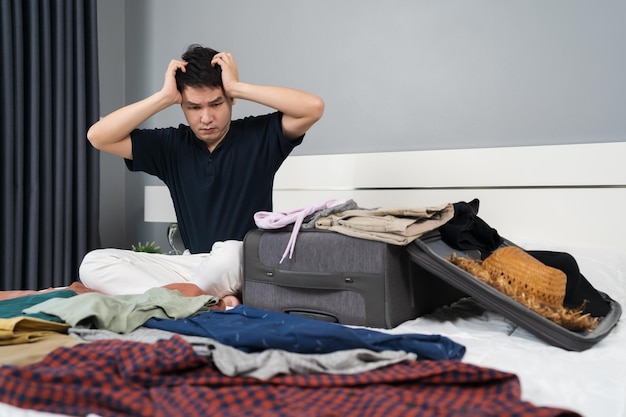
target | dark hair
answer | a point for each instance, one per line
(199, 71)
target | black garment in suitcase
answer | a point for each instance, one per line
(339, 278)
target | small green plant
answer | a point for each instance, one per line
(150, 247)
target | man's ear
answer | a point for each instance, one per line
(232, 101)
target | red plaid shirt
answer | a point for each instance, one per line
(124, 378)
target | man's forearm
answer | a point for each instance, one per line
(300, 109)
(117, 126)
(294, 103)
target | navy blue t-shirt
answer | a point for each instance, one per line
(215, 194)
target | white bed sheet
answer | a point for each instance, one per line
(592, 382)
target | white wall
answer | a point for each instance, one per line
(395, 75)
(112, 70)
(410, 74)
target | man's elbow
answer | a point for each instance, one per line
(94, 138)
(317, 108)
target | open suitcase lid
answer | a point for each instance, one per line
(430, 252)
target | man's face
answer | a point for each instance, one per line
(208, 112)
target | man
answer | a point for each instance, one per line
(219, 172)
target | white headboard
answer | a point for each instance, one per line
(574, 194)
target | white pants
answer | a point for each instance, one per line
(119, 271)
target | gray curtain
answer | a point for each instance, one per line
(50, 173)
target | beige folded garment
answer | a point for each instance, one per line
(396, 226)
(16, 330)
(35, 351)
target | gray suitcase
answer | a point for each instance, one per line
(364, 282)
(339, 278)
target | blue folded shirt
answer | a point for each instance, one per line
(251, 330)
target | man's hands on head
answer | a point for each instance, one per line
(230, 73)
(112, 133)
(169, 84)
(300, 109)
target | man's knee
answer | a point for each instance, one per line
(227, 256)
(221, 273)
(93, 263)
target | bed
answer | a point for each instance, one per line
(567, 198)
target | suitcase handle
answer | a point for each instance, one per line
(318, 280)
(312, 314)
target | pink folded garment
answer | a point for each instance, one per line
(277, 220)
